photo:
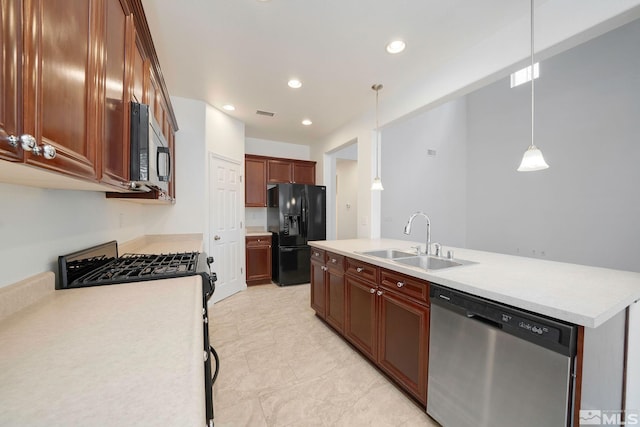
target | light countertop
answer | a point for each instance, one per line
(578, 294)
(162, 244)
(118, 355)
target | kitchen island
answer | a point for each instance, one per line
(578, 294)
(382, 307)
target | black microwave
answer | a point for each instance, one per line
(150, 155)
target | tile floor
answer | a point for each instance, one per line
(282, 366)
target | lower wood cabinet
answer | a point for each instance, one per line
(385, 314)
(327, 287)
(258, 258)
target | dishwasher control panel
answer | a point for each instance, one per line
(547, 332)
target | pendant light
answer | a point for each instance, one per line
(532, 160)
(377, 182)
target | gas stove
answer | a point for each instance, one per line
(101, 265)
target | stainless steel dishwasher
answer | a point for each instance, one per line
(492, 365)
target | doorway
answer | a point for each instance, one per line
(226, 235)
(346, 190)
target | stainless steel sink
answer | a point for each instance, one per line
(431, 263)
(388, 253)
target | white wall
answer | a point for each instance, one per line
(563, 27)
(347, 198)
(188, 215)
(416, 180)
(37, 225)
(585, 207)
(266, 147)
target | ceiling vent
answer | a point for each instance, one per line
(265, 113)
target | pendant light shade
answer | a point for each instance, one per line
(532, 160)
(377, 182)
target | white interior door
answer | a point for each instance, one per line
(226, 233)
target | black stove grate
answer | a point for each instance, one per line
(137, 267)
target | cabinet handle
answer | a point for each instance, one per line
(323, 268)
(379, 293)
(316, 254)
(333, 260)
(259, 240)
(400, 284)
(372, 291)
(359, 269)
(13, 140)
(29, 143)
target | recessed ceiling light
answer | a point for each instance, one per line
(294, 83)
(396, 46)
(307, 122)
(229, 107)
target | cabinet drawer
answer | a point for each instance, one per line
(258, 241)
(317, 255)
(362, 270)
(335, 262)
(405, 285)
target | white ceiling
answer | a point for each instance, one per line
(243, 52)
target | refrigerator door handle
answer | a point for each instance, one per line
(305, 204)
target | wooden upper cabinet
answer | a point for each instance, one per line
(118, 43)
(279, 171)
(304, 172)
(10, 79)
(255, 182)
(61, 88)
(140, 70)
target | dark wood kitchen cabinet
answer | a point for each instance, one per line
(10, 72)
(258, 258)
(327, 287)
(255, 182)
(66, 79)
(260, 171)
(386, 317)
(318, 286)
(283, 171)
(61, 81)
(118, 53)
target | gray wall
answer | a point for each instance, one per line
(413, 180)
(586, 207)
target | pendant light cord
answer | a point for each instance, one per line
(533, 77)
(377, 136)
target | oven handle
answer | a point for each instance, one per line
(215, 356)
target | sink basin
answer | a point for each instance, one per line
(389, 253)
(431, 263)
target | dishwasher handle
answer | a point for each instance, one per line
(482, 319)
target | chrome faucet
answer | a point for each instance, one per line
(407, 229)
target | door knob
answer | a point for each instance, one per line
(216, 237)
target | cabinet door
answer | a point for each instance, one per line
(10, 78)
(258, 263)
(279, 171)
(403, 342)
(304, 173)
(335, 299)
(140, 67)
(118, 39)
(360, 324)
(318, 288)
(62, 61)
(255, 182)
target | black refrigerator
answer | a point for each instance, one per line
(296, 214)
